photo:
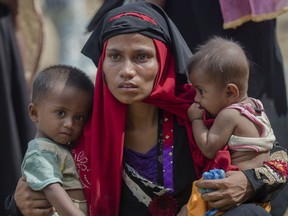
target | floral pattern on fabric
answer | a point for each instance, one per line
(275, 170)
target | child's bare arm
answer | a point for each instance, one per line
(220, 132)
(210, 141)
(60, 200)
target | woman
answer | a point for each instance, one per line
(134, 156)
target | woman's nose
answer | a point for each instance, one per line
(127, 69)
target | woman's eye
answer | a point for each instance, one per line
(115, 56)
(142, 57)
(60, 113)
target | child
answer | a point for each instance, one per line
(61, 104)
(219, 72)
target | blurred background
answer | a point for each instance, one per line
(54, 31)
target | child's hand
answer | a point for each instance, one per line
(195, 111)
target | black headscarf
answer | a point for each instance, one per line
(165, 31)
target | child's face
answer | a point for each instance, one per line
(61, 116)
(208, 93)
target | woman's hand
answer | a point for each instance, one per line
(231, 191)
(183, 211)
(30, 202)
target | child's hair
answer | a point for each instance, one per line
(223, 61)
(55, 75)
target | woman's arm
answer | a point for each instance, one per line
(260, 184)
(269, 179)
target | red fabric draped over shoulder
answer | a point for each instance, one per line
(98, 155)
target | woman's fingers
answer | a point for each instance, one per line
(229, 192)
(30, 202)
(39, 212)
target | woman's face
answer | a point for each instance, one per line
(130, 67)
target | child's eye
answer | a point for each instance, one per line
(201, 91)
(80, 118)
(60, 113)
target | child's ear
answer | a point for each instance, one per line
(32, 110)
(232, 91)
